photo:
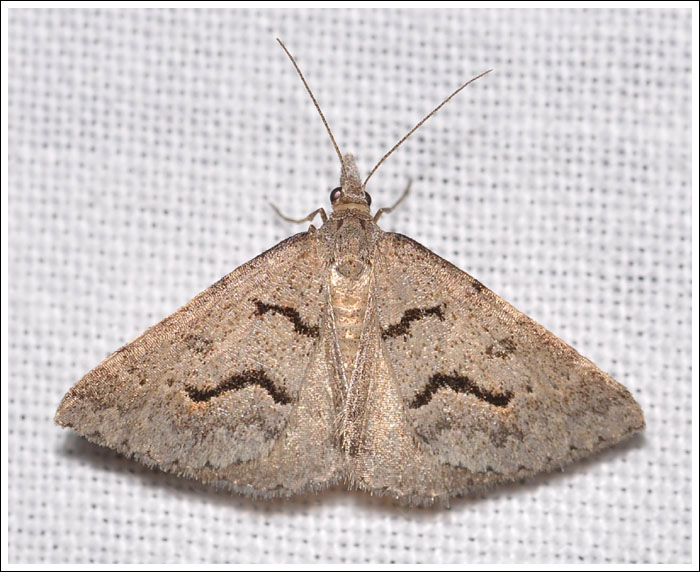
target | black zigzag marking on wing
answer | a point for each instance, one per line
(239, 381)
(459, 384)
(291, 314)
(402, 327)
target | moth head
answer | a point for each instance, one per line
(351, 193)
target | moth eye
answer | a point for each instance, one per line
(335, 194)
(368, 198)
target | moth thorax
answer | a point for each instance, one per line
(349, 296)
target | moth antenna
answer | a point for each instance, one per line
(433, 112)
(318, 107)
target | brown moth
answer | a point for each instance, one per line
(349, 354)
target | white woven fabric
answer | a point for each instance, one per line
(144, 146)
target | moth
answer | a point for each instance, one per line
(349, 354)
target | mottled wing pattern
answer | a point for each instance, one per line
(489, 393)
(223, 389)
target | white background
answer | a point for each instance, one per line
(144, 146)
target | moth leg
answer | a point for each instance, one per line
(383, 210)
(309, 217)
